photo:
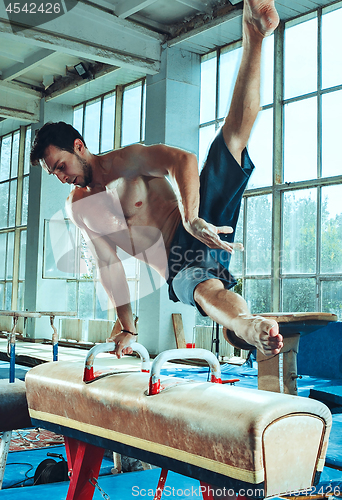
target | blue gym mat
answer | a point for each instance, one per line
(329, 395)
(20, 371)
(127, 486)
(248, 376)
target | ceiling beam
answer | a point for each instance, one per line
(17, 89)
(100, 3)
(194, 5)
(19, 102)
(89, 33)
(11, 57)
(203, 22)
(130, 7)
(159, 27)
(20, 114)
(70, 82)
(30, 62)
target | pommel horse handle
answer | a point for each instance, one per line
(154, 384)
(89, 375)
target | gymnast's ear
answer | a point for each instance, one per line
(79, 146)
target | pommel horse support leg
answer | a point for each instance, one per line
(278, 373)
(265, 443)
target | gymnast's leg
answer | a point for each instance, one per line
(223, 306)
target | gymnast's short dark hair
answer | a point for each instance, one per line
(59, 134)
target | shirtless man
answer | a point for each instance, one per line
(135, 202)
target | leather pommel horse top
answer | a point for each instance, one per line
(224, 435)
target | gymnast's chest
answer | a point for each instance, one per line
(133, 197)
(126, 203)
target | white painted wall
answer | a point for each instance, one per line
(172, 117)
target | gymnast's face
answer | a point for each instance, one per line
(70, 168)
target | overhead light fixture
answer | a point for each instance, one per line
(82, 71)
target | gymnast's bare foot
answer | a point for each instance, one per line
(262, 15)
(263, 333)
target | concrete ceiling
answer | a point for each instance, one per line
(119, 41)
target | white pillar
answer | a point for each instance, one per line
(172, 118)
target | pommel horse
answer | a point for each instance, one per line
(264, 442)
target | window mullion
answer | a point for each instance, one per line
(20, 176)
(318, 248)
(277, 164)
(319, 94)
(142, 110)
(218, 53)
(17, 232)
(244, 231)
(118, 116)
(101, 116)
(83, 119)
(319, 160)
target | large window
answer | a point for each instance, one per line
(108, 122)
(291, 218)
(113, 120)
(95, 120)
(14, 170)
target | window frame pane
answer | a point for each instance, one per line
(14, 221)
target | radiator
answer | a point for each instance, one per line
(71, 329)
(6, 324)
(99, 330)
(203, 336)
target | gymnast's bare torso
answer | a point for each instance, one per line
(131, 213)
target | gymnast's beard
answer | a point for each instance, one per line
(87, 172)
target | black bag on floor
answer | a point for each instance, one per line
(50, 471)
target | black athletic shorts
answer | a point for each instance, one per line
(222, 183)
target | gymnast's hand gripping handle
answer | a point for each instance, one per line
(109, 347)
(154, 384)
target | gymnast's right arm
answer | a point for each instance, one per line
(113, 279)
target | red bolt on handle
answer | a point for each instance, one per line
(154, 383)
(89, 375)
